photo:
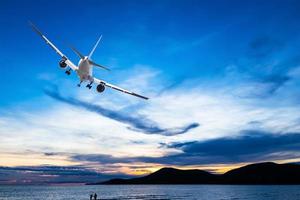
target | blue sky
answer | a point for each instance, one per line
(217, 72)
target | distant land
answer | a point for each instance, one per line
(260, 173)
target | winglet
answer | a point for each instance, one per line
(91, 53)
(140, 96)
(35, 28)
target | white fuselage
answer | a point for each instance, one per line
(85, 70)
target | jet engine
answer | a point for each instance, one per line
(100, 88)
(62, 64)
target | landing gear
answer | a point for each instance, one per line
(68, 72)
(79, 84)
(89, 85)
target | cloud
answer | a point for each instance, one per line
(274, 82)
(104, 158)
(93, 135)
(50, 154)
(264, 46)
(263, 87)
(264, 70)
(250, 146)
(251, 79)
(137, 123)
(51, 175)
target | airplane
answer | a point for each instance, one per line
(85, 66)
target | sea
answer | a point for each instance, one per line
(152, 192)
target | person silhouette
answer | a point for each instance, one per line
(91, 196)
(95, 196)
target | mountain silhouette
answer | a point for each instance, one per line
(264, 173)
(169, 176)
(259, 173)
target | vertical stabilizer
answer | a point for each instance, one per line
(91, 53)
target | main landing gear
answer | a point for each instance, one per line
(68, 72)
(89, 85)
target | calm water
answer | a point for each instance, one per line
(207, 192)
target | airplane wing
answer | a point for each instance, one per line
(98, 81)
(67, 61)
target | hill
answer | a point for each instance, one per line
(264, 173)
(169, 176)
(260, 173)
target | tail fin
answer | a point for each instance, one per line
(91, 53)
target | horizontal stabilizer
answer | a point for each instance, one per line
(97, 65)
(77, 52)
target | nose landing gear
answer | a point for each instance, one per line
(79, 84)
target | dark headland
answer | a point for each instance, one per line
(260, 173)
